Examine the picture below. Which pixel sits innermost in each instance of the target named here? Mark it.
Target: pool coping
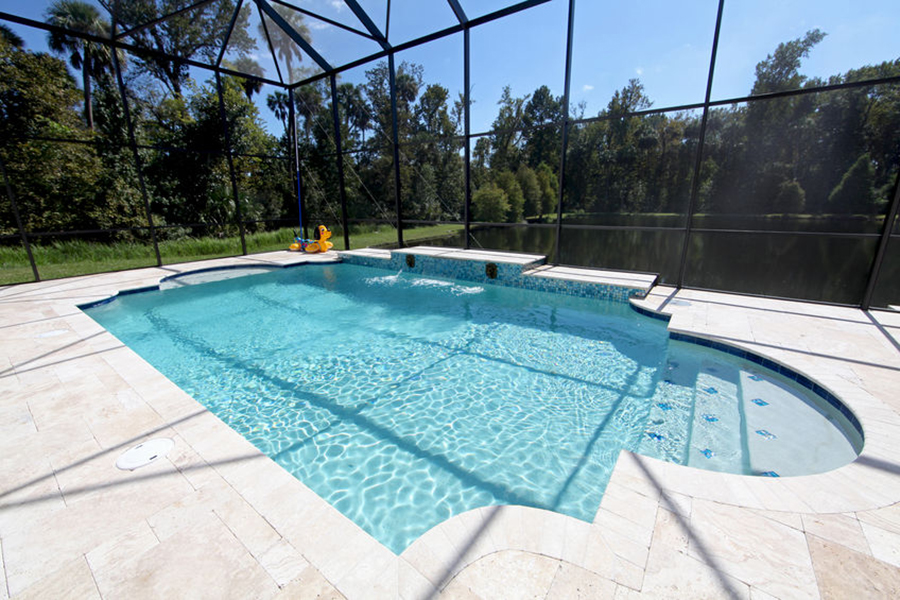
(619, 546)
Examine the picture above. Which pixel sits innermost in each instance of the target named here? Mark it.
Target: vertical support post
(468, 132)
(396, 139)
(875, 271)
(15, 210)
(294, 155)
(138, 163)
(234, 188)
(695, 184)
(340, 160)
(565, 129)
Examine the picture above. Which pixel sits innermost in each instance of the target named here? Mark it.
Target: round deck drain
(145, 453)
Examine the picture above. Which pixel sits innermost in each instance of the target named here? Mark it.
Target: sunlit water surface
(403, 401)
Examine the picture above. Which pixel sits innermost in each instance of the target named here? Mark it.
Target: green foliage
(855, 194)
(791, 197)
(506, 181)
(78, 257)
(56, 184)
(549, 186)
(781, 70)
(245, 64)
(285, 47)
(506, 139)
(832, 151)
(92, 58)
(490, 204)
(531, 190)
(195, 33)
(10, 37)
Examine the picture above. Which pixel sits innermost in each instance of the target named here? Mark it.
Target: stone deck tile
(599, 276)
(845, 573)
(662, 530)
(514, 258)
(368, 252)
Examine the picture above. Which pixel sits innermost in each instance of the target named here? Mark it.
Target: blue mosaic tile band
(649, 313)
(372, 261)
(96, 303)
(774, 366)
(510, 275)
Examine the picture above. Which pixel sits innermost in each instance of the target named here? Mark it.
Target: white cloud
(316, 24)
(639, 70)
(338, 5)
(586, 87)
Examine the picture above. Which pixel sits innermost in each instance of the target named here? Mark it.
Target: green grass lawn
(65, 259)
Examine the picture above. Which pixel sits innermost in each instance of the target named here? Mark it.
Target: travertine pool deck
(217, 519)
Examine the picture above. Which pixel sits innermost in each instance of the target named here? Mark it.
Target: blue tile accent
(769, 474)
(773, 366)
(759, 402)
(371, 261)
(707, 453)
(140, 290)
(649, 313)
(655, 436)
(664, 405)
(710, 418)
(766, 434)
(711, 390)
(87, 305)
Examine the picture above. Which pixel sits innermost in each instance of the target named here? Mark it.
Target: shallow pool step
(667, 433)
(718, 429)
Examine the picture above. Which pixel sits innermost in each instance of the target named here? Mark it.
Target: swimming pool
(405, 400)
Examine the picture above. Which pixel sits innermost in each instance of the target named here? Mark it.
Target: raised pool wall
(518, 271)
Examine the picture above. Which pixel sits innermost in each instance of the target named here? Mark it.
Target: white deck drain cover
(145, 453)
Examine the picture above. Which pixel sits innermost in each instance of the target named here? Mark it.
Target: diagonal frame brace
(368, 23)
(293, 34)
(458, 11)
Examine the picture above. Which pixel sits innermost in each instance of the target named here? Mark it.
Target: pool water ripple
(405, 401)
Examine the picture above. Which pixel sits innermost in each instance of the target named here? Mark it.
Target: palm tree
(278, 103)
(282, 43)
(245, 64)
(308, 102)
(11, 37)
(91, 58)
(351, 100)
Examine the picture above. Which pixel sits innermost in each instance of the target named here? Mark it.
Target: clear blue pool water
(403, 401)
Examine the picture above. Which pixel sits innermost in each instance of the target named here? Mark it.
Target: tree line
(827, 153)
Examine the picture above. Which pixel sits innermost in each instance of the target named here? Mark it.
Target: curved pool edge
(758, 357)
(867, 483)
(248, 266)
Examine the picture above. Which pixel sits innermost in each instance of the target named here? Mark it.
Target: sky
(664, 44)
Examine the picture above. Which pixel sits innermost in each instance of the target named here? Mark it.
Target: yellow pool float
(320, 244)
